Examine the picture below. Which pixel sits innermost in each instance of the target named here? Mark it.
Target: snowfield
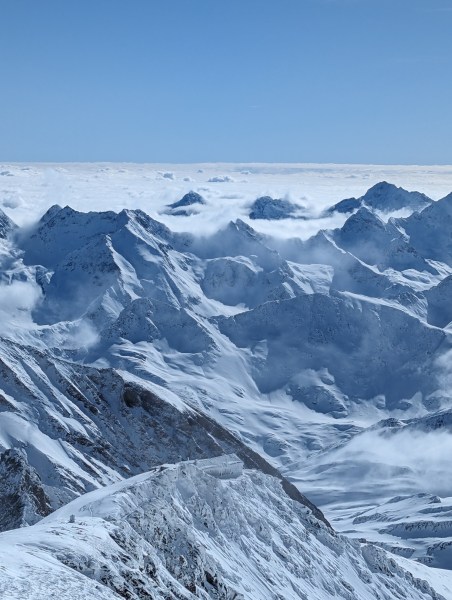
(295, 316)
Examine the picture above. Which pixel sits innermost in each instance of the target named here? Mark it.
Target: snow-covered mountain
(384, 197)
(76, 428)
(197, 530)
(385, 245)
(321, 363)
(429, 230)
(273, 209)
(186, 206)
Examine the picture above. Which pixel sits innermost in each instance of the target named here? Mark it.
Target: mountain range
(137, 362)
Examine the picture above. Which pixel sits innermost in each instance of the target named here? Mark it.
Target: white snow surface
(179, 532)
(322, 344)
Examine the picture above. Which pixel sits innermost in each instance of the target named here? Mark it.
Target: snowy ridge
(178, 532)
(384, 197)
(79, 428)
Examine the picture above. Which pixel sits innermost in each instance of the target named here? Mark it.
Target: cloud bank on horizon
(229, 189)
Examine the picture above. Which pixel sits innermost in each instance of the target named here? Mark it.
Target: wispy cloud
(17, 300)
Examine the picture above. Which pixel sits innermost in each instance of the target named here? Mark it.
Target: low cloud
(81, 335)
(443, 366)
(11, 200)
(424, 457)
(17, 300)
(117, 186)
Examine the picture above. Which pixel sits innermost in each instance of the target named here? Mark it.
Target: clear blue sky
(226, 80)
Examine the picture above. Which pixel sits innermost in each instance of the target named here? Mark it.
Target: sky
(339, 81)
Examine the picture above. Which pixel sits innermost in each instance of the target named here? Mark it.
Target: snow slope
(180, 532)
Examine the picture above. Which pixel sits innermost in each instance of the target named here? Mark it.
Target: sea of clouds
(28, 190)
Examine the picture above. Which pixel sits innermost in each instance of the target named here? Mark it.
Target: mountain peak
(270, 208)
(239, 226)
(382, 186)
(363, 219)
(65, 230)
(387, 197)
(384, 197)
(189, 199)
(186, 205)
(445, 202)
(50, 213)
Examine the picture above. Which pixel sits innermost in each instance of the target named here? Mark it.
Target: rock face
(22, 496)
(439, 303)
(6, 225)
(384, 197)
